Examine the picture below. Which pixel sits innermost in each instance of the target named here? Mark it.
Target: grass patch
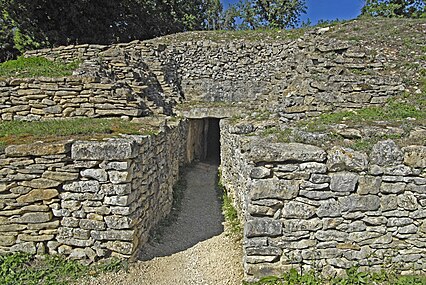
(36, 66)
(25, 269)
(19, 132)
(229, 211)
(353, 277)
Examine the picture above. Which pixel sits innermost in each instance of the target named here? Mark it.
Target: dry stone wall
(88, 199)
(307, 207)
(36, 99)
(293, 78)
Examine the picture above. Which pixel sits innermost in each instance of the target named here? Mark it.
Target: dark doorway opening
(212, 140)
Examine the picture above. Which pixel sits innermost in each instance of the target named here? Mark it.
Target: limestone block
(284, 152)
(27, 247)
(38, 149)
(274, 189)
(35, 238)
(89, 186)
(392, 188)
(118, 222)
(415, 156)
(363, 203)
(329, 208)
(41, 183)
(263, 227)
(331, 235)
(113, 149)
(7, 240)
(120, 247)
(119, 235)
(77, 253)
(343, 182)
(116, 189)
(33, 218)
(38, 195)
(297, 210)
(408, 202)
(117, 177)
(260, 172)
(399, 222)
(341, 159)
(60, 176)
(369, 185)
(386, 153)
(302, 225)
(97, 174)
(91, 224)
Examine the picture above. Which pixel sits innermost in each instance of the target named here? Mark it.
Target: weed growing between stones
(229, 212)
(35, 67)
(25, 269)
(353, 277)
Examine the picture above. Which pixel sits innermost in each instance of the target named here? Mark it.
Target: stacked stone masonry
(305, 207)
(88, 199)
(302, 206)
(294, 78)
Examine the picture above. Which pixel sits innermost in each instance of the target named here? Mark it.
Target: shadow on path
(200, 217)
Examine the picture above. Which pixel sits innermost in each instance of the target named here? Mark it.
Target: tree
(279, 14)
(213, 14)
(395, 8)
(63, 22)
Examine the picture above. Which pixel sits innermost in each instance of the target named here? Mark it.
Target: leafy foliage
(28, 24)
(395, 8)
(24, 269)
(36, 66)
(279, 14)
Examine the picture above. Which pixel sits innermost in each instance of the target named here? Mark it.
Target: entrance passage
(203, 142)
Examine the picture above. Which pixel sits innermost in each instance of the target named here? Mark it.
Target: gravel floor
(194, 250)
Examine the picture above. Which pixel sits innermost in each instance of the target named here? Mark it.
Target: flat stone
(369, 185)
(60, 176)
(260, 172)
(89, 186)
(415, 156)
(120, 235)
(97, 174)
(284, 152)
(274, 189)
(120, 247)
(363, 203)
(343, 182)
(41, 183)
(114, 149)
(91, 224)
(27, 247)
(33, 218)
(118, 222)
(346, 159)
(329, 208)
(408, 202)
(331, 235)
(386, 153)
(392, 188)
(38, 149)
(6, 240)
(38, 195)
(263, 227)
(297, 210)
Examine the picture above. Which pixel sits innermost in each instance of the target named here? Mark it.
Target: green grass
(19, 132)
(35, 67)
(24, 269)
(353, 277)
(229, 212)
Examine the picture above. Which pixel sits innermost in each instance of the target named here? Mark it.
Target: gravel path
(194, 250)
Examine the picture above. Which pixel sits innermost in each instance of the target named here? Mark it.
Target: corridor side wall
(306, 207)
